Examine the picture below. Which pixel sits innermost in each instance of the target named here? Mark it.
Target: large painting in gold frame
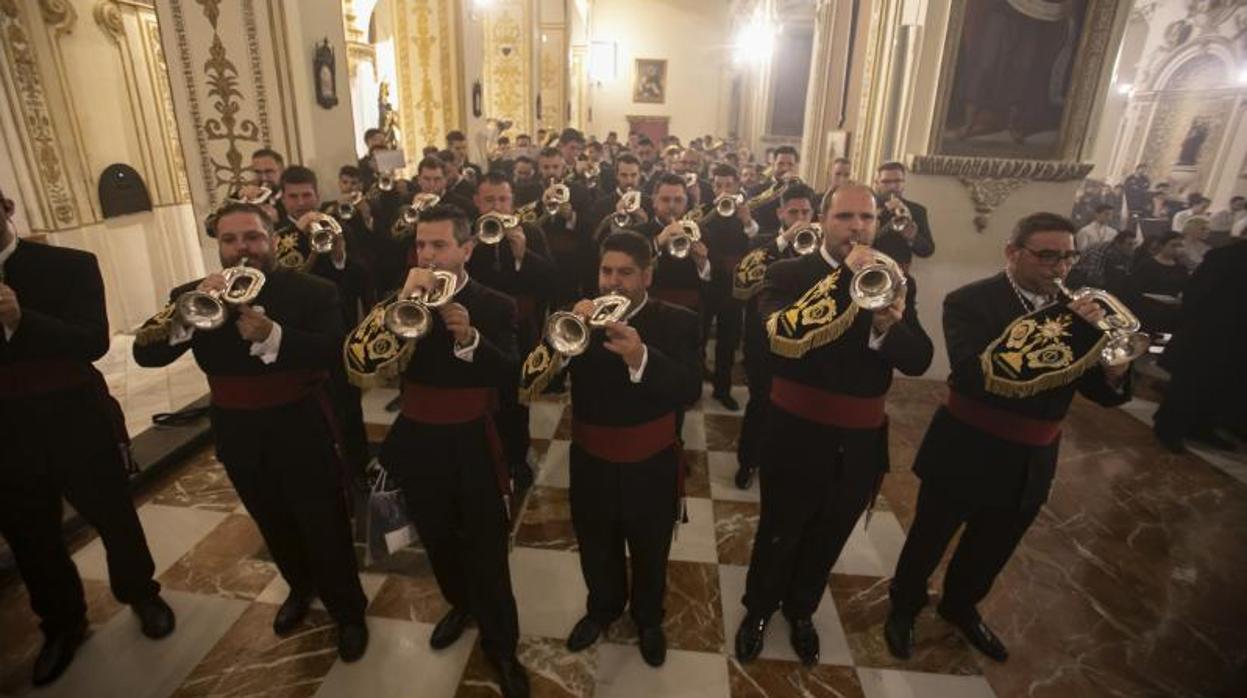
(1019, 78)
(649, 84)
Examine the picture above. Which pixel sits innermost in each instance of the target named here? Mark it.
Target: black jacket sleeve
(317, 338)
(923, 244)
(907, 345)
(674, 375)
(498, 352)
(158, 353)
(80, 332)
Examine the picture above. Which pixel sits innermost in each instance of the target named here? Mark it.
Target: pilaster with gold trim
(508, 63)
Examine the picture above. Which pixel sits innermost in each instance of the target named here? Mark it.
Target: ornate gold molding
(108, 17)
(999, 168)
(508, 63)
(988, 194)
(173, 140)
(553, 76)
(428, 84)
(40, 143)
(59, 15)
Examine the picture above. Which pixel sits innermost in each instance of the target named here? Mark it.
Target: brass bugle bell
(492, 227)
(681, 243)
(555, 197)
(412, 317)
(385, 181)
(726, 204)
(568, 333)
(323, 232)
(901, 216)
(877, 284)
(1125, 342)
(208, 310)
(629, 204)
(349, 207)
(807, 239)
(690, 179)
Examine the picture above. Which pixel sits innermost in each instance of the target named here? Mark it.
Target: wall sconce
(326, 76)
(603, 61)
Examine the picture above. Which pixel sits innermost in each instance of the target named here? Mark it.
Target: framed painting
(650, 81)
(1020, 77)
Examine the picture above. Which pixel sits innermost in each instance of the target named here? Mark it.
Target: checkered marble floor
(217, 575)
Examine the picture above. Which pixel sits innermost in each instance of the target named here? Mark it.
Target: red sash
(29, 377)
(831, 409)
(265, 390)
(629, 444)
(443, 406)
(1003, 424)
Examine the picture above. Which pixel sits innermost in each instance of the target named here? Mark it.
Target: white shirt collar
(637, 309)
(835, 263)
(8, 250)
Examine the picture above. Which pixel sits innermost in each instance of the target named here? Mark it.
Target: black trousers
(295, 496)
(40, 464)
(350, 413)
(753, 426)
(620, 509)
(449, 482)
(990, 537)
(727, 314)
(811, 498)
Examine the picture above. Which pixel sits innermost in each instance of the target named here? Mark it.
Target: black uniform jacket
(726, 242)
(670, 272)
(306, 307)
(847, 365)
(61, 296)
(923, 244)
(356, 293)
(973, 465)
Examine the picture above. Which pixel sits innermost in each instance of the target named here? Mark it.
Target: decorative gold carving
(173, 141)
(428, 74)
(257, 72)
(999, 168)
(43, 147)
(553, 76)
(987, 195)
(222, 78)
(108, 17)
(212, 10)
(58, 14)
(508, 52)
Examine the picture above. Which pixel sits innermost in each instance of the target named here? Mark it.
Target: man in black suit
(268, 365)
(627, 178)
(915, 231)
(374, 140)
(431, 178)
(525, 181)
(825, 451)
(677, 280)
(63, 435)
(627, 389)
(519, 267)
(444, 449)
(988, 457)
(727, 241)
(785, 167)
(796, 210)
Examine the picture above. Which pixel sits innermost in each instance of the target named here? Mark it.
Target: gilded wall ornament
(988, 194)
(108, 17)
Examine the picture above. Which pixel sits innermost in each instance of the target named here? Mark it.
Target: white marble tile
(171, 532)
(860, 555)
(277, 590)
(549, 591)
(723, 479)
(399, 662)
(709, 405)
(886, 534)
(890, 683)
(833, 646)
(554, 470)
(694, 431)
(374, 401)
(543, 419)
(118, 661)
(695, 541)
(621, 673)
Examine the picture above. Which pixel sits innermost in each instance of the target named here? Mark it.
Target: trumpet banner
(374, 355)
(751, 271)
(1048, 348)
(157, 328)
(818, 317)
(540, 367)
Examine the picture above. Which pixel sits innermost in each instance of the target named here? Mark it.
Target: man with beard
(911, 235)
(825, 450)
(628, 387)
(524, 179)
(267, 368)
(677, 280)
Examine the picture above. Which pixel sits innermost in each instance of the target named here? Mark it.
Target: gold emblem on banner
(373, 354)
(750, 273)
(1048, 348)
(815, 319)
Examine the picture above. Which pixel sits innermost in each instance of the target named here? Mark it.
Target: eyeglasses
(1055, 256)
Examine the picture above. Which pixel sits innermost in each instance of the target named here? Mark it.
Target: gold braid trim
(158, 327)
(538, 370)
(812, 321)
(1061, 375)
(373, 355)
(750, 273)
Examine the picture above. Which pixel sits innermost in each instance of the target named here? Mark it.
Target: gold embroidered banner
(426, 38)
(508, 64)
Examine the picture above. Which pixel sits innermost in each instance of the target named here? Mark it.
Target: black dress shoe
(512, 678)
(292, 612)
(653, 645)
(898, 632)
(586, 632)
(976, 632)
(804, 640)
(744, 476)
(155, 617)
(449, 628)
(352, 641)
(58, 651)
(749, 637)
(727, 401)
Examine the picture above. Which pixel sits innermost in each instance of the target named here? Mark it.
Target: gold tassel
(1051, 380)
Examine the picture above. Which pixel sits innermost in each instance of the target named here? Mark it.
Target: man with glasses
(1018, 352)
